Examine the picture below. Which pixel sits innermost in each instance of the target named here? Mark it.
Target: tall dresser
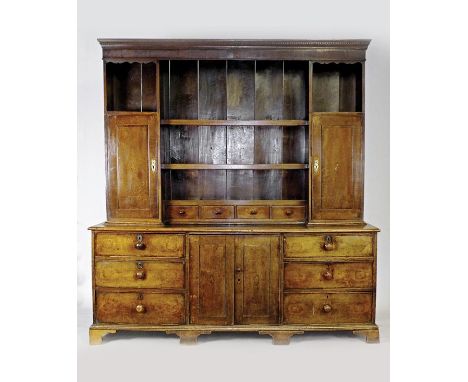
(235, 174)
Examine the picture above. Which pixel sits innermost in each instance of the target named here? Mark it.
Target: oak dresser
(235, 174)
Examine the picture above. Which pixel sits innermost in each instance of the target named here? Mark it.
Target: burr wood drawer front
(216, 212)
(327, 308)
(175, 212)
(140, 308)
(124, 244)
(288, 213)
(330, 275)
(253, 212)
(139, 274)
(328, 245)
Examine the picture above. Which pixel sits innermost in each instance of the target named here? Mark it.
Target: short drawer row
(171, 275)
(172, 245)
(170, 308)
(248, 212)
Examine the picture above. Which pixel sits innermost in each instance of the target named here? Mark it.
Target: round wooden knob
(253, 212)
(140, 308)
(288, 212)
(328, 245)
(140, 245)
(238, 269)
(327, 275)
(181, 212)
(140, 275)
(327, 308)
(218, 211)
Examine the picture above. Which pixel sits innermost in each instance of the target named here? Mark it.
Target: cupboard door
(211, 279)
(257, 280)
(132, 166)
(337, 166)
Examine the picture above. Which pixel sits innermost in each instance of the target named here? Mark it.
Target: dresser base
(281, 335)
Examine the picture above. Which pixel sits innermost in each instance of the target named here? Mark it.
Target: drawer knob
(328, 245)
(238, 269)
(288, 212)
(139, 244)
(140, 308)
(253, 212)
(327, 275)
(181, 212)
(218, 211)
(327, 308)
(140, 274)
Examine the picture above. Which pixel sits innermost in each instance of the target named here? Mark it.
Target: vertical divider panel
(163, 107)
(268, 139)
(240, 105)
(157, 108)
(212, 139)
(310, 143)
(148, 87)
(295, 106)
(183, 99)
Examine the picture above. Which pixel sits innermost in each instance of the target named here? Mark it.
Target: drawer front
(115, 244)
(217, 212)
(140, 308)
(338, 275)
(331, 308)
(253, 212)
(328, 245)
(182, 212)
(288, 213)
(139, 274)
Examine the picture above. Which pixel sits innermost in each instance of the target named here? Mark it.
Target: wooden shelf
(226, 122)
(200, 166)
(211, 202)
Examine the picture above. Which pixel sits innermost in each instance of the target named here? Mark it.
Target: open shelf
(234, 184)
(234, 90)
(227, 122)
(268, 202)
(131, 87)
(198, 166)
(337, 87)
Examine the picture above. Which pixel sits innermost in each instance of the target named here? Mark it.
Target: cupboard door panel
(132, 146)
(257, 279)
(337, 166)
(211, 279)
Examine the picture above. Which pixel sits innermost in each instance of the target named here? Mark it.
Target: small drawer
(288, 213)
(328, 245)
(216, 212)
(139, 274)
(337, 275)
(253, 212)
(140, 308)
(158, 245)
(182, 212)
(327, 308)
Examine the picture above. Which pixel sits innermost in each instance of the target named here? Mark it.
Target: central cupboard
(234, 279)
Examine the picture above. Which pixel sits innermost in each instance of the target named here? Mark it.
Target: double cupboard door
(234, 279)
